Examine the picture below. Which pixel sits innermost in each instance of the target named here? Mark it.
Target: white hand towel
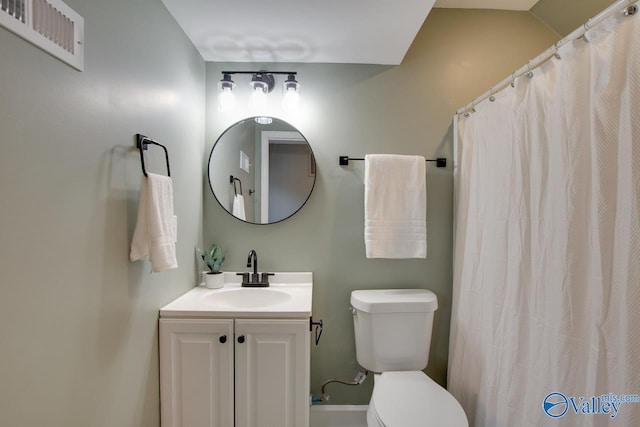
(156, 228)
(238, 207)
(395, 206)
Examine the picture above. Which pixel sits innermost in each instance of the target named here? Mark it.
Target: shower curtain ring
(631, 10)
(587, 27)
(529, 73)
(557, 53)
(491, 97)
(467, 110)
(513, 79)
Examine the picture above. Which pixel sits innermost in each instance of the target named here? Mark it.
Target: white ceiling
(333, 31)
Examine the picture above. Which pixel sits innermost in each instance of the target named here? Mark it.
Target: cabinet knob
(223, 339)
(241, 339)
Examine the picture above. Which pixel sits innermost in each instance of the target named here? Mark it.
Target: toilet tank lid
(394, 301)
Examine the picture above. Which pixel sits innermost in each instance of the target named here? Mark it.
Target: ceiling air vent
(49, 24)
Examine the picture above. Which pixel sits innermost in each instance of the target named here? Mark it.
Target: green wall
(78, 320)
(359, 109)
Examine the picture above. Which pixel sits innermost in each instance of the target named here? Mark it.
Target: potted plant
(214, 258)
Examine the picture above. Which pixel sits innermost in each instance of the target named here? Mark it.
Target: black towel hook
(142, 143)
(232, 180)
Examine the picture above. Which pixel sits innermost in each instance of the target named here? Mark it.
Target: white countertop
(201, 302)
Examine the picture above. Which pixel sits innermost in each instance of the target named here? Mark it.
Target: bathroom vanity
(237, 356)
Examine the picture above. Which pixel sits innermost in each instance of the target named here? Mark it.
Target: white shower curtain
(547, 248)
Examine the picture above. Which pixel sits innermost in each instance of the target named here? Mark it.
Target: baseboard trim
(338, 416)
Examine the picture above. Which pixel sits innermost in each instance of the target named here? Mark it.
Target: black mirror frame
(218, 200)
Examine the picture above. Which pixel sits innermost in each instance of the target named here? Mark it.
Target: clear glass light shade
(259, 96)
(290, 94)
(290, 100)
(226, 99)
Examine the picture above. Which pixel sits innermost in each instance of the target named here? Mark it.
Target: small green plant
(214, 258)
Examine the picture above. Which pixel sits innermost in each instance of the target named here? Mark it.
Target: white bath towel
(238, 207)
(156, 229)
(395, 206)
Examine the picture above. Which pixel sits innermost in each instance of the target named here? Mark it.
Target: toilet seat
(412, 399)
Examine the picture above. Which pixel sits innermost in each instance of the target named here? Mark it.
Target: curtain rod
(553, 50)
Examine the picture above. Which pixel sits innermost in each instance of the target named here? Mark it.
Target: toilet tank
(393, 328)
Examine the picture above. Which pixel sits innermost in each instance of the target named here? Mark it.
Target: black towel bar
(232, 180)
(441, 162)
(142, 143)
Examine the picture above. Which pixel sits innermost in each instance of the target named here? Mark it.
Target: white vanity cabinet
(234, 372)
(272, 373)
(196, 372)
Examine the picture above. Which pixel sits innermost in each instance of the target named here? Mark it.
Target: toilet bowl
(393, 335)
(412, 399)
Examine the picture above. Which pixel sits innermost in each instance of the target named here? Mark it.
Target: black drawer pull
(223, 339)
(241, 339)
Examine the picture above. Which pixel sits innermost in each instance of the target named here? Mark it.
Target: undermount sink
(247, 298)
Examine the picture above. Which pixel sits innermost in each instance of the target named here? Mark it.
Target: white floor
(338, 416)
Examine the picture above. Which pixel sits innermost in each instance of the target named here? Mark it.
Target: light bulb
(259, 97)
(226, 100)
(290, 100)
(290, 94)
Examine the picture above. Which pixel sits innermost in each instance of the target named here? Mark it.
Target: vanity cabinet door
(196, 372)
(272, 373)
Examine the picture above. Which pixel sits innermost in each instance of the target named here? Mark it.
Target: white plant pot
(213, 280)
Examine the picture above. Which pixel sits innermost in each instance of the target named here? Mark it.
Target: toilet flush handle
(353, 311)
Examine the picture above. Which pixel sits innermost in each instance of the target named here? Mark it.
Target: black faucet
(253, 255)
(254, 280)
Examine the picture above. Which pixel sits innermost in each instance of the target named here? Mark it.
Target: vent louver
(49, 24)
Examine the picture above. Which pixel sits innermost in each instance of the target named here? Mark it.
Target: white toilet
(393, 335)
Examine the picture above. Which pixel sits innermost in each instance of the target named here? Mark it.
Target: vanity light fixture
(262, 83)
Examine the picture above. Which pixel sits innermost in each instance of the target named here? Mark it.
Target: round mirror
(262, 170)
